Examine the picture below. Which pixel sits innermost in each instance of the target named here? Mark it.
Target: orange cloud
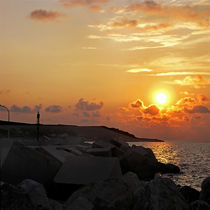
(134, 24)
(44, 15)
(7, 91)
(187, 109)
(91, 4)
(154, 27)
(186, 101)
(162, 74)
(138, 70)
(125, 23)
(198, 109)
(203, 99)
(53, 109)
(25, 109)
(88, 106)
(137, 104)
(152, 110)
(187, 13)
(196, 81)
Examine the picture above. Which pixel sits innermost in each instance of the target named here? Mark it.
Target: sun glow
(161, 98)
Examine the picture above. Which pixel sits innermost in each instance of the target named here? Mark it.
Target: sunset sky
(103, 62)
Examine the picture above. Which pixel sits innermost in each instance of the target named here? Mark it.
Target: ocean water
(193, 158)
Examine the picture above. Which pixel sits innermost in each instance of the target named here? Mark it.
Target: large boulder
(112, 194)
(189, 193)
(55, 205)
(159, 194)
(80, 203)
(36, 193)
(205, 190)
(132, 181)
(139, 160)
(29, 194)
(14, 198)
(199, 205)
(167, 168)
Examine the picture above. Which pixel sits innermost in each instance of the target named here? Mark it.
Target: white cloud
(138, 70)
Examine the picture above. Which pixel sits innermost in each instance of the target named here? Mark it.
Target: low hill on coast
(91, 133)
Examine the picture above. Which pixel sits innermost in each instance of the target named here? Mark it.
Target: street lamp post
(8, 116)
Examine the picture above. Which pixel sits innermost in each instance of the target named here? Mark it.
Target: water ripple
(193, 159)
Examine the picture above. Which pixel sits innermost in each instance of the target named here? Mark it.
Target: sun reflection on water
(192, 158)
(165, 152)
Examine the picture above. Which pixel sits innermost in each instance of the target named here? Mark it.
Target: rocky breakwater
(105, 175)
(137, 159)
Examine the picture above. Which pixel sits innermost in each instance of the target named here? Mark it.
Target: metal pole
(8, 117)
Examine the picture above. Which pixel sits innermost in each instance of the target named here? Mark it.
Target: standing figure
(37, 126)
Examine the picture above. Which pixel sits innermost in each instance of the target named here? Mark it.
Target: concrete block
(86, 170)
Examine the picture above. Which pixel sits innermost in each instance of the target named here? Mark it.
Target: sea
(193, 158)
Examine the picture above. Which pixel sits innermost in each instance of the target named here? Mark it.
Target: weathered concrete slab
(85, 170)
(117, 146)
(27, 163)
(102, 144)
(72, 149)
(105, 152)
(67, 140)
(5, 146)
(119, 143)
(83, 147)
(60, 153)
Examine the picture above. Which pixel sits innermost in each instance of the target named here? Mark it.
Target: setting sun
(161, 98)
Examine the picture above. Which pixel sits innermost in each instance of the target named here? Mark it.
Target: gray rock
(113, 194)
(139, 160)
(36, 193)
(205, 190)
(55, 205)
(189, 193)
(80, 203)
(14, 198)
(159, 194)
(132, 181)
(199, 205)
(167, 168)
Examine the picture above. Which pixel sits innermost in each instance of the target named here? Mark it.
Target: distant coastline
(75, 130)
(136, 139)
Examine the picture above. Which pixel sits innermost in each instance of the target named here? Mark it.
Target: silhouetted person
(37, 126)
(38, 117)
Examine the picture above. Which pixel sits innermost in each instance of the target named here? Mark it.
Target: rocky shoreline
(92, 133)
(106, 175)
